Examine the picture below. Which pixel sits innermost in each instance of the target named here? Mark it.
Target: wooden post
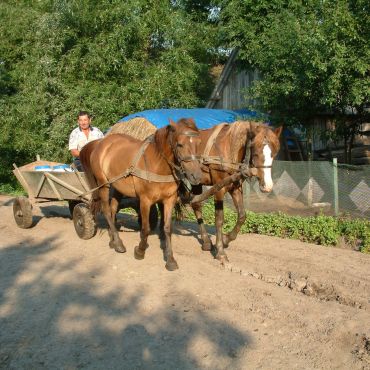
(310, 184)
(335, 184)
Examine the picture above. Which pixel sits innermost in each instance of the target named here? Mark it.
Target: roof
(204, 117)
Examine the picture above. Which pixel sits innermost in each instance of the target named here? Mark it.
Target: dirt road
(66, 303)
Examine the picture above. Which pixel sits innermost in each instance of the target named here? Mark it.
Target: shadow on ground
(55, 314)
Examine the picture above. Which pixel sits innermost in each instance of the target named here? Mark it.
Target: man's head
(84, 120)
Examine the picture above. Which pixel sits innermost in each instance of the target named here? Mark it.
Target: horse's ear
(171, 126)
(278, 131)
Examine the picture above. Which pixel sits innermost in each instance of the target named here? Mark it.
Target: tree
(313, 56)
(111, 58)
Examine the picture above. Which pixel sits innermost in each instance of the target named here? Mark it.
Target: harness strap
(212, 138)
(134, 171)
(150, 176)
(220, 161)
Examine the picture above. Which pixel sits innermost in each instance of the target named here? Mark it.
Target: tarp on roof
(204, 117)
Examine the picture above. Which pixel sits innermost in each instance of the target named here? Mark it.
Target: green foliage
(323, 230)
(9, 189)
(111, 58)
(313, 56)
(356, 232)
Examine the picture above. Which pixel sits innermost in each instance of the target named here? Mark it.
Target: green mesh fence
(308, 188)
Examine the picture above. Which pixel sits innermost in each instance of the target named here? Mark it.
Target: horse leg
(145, 229)
(206, 241)
(115, 241)
(114, 206)
(168, 204)
(219, 215)
(162, 234)
(237, 196)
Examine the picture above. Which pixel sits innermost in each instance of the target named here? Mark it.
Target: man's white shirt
(77, 138)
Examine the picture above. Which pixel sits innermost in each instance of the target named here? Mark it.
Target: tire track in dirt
(304, 285)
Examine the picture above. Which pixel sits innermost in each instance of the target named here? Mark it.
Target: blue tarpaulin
(204, 117)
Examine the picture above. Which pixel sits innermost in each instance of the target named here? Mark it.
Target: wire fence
(309, 188)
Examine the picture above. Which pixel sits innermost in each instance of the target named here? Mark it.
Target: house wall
(232, 95)
(230, 92)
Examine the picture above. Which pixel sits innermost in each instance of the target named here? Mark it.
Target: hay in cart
(138, 127)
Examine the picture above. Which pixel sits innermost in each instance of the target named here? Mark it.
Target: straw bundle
(138, 127)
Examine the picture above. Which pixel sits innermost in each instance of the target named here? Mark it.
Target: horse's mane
(160, 138)
(239, 130)
(238, 137)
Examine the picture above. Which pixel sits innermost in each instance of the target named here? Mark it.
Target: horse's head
(264, 147)
(184, 141)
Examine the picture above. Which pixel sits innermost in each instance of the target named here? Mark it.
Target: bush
(323, 230)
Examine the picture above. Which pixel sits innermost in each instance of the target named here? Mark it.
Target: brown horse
(144, 170)
(224, 148)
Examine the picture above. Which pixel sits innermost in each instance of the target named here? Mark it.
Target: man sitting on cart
(81, 135)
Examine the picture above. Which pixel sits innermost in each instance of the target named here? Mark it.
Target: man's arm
(73, 143)
(75, 153)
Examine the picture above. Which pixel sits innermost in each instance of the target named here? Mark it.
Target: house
(229, 93)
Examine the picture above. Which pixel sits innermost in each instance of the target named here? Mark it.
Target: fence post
(310, 184)
(335, 183)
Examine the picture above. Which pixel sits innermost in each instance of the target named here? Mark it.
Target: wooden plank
(54, 188)
(39, 186)
(82, 181)
(63, 183)
(22, 180)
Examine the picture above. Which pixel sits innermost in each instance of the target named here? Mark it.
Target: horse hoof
(207, 246)
(222, 258)
(118, 247)
(172, 266)
(225, 240)
(139, 254)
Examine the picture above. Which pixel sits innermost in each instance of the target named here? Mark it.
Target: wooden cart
(51, 186)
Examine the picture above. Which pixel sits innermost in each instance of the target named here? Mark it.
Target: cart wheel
(71, 205)
(153, 217)
(84, 222)
(22, 210)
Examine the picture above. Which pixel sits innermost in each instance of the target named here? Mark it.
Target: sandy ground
(67, 303)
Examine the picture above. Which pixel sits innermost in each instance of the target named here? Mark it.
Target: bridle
(179, 171)
(188, 158)
(247, 158)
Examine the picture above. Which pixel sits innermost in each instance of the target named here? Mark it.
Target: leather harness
(133, 170)
(207, 159)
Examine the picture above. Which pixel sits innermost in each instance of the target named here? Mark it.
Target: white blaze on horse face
(267, 171)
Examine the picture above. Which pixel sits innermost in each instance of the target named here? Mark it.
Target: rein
(178, 171)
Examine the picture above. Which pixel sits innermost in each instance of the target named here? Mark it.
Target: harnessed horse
(226, 149)
(148, 170)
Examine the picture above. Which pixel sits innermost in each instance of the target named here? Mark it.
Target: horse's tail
(183, 198)
(85, 158)
(179, 210)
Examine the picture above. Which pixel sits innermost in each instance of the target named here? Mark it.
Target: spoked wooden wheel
(83, 221)
(22, 210)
